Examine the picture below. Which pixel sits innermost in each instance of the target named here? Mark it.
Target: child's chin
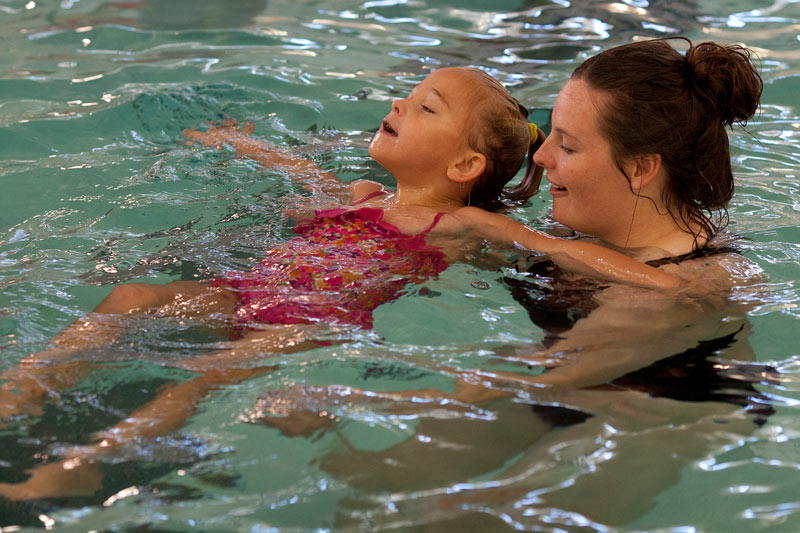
(373, 149)
(376, 155)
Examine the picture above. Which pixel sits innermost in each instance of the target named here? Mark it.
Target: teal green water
(98, 189)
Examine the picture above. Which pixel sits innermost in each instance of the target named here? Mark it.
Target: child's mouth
(387, 128)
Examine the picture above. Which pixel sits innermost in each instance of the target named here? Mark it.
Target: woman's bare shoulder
(723, 270)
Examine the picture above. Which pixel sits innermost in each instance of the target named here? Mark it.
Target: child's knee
(134, 296)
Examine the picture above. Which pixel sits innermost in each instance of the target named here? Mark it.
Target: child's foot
(71, 477)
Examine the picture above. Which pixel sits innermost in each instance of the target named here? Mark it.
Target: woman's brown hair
(678, 106)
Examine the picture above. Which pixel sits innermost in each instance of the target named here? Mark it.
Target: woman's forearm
(577, 256)
(594, 259)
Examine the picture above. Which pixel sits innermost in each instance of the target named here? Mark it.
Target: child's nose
(398, 105)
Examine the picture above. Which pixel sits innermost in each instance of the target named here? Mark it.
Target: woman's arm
(576, 256)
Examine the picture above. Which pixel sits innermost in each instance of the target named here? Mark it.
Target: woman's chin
(566, 220)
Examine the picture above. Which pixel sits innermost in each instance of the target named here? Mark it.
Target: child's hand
(215, 136)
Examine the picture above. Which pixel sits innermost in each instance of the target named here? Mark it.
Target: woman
(639, 153)
(638, 159)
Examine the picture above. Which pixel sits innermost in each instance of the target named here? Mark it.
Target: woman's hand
(302, 411)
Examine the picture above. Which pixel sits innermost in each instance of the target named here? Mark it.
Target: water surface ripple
(100, 189)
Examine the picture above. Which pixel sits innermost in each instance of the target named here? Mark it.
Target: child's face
(424, 132)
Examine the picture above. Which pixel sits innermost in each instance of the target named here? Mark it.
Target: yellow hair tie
(534, 132)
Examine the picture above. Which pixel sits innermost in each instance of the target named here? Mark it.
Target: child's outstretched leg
(47, 372)
(107, 322)
(76, 472)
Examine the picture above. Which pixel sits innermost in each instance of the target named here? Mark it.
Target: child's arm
(578, 256)
(301, 169)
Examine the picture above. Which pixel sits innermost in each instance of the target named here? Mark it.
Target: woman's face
(590, 193)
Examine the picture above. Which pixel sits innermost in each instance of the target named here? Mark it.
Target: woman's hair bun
(726, 79)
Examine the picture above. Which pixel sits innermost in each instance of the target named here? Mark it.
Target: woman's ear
(643, 170)
(467, 168)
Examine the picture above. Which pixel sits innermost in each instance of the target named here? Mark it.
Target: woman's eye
(567, 150)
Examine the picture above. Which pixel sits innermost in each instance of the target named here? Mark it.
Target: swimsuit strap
(373, 194)
(703, 251)
(369, 196)
(436, 219)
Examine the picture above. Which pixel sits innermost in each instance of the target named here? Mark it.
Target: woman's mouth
(556, 188)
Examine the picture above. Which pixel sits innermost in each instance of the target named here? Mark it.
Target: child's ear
(466, 168)
(643, 169)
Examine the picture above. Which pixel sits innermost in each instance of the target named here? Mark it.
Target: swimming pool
(99, 189)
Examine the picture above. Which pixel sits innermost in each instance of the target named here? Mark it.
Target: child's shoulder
(362, 190)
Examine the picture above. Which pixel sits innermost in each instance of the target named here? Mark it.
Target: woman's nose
(542, 156)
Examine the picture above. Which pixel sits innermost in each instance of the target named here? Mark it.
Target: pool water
(100, 189)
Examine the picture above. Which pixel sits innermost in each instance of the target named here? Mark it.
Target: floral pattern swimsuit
(342, 265)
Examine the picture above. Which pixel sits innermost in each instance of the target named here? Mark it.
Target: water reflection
(586, 457)
(161, 15)
(531, 35)
(463, 464)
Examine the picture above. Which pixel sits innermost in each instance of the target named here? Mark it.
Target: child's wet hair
(499, 130)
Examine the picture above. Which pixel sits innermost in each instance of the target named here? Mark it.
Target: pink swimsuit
(343, 264)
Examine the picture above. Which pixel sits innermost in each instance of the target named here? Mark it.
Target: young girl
(452, 145)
